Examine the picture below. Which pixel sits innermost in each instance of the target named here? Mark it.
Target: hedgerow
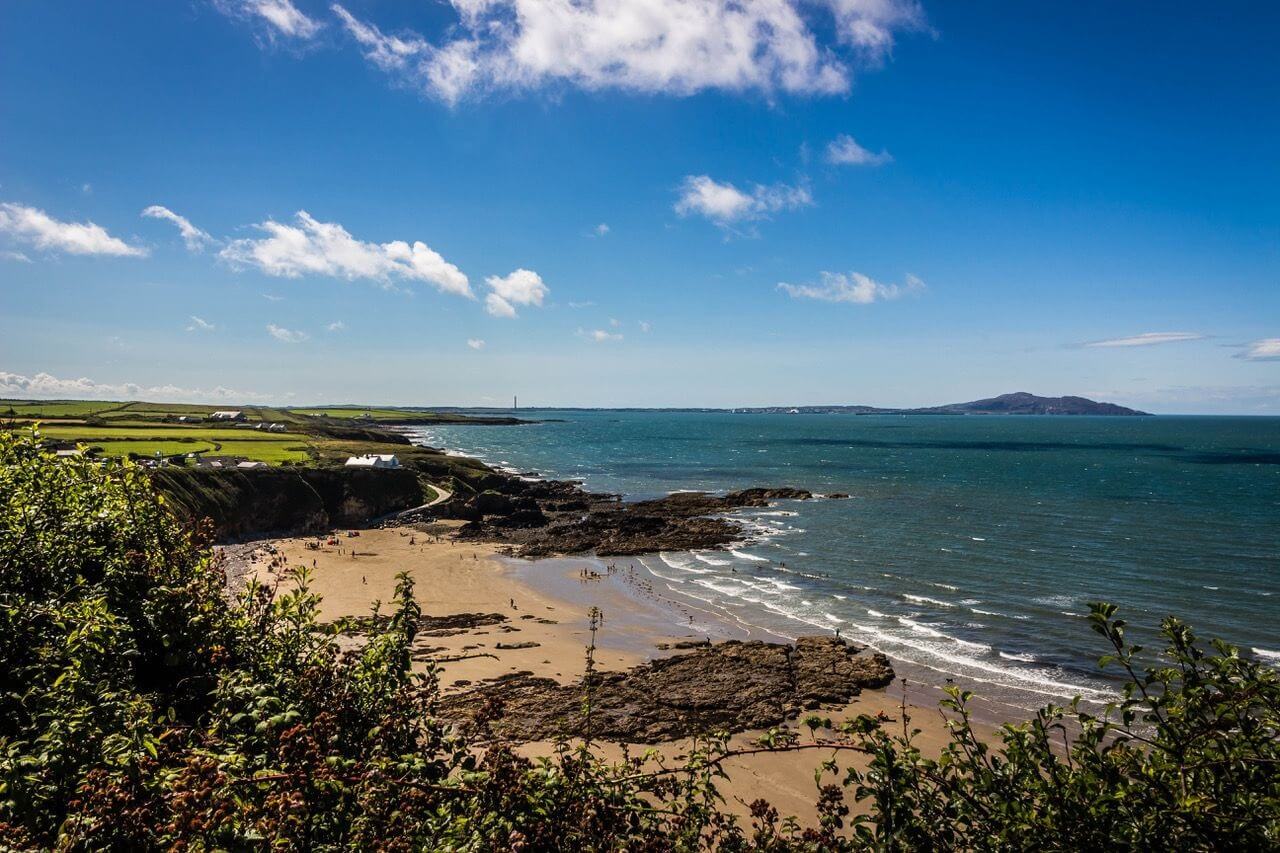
(140, 709)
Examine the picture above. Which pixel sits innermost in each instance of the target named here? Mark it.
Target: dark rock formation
(565, 520)
(731, 686)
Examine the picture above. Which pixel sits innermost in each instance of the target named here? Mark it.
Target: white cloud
(1148, 339)
(199, 325)
(644, 327)
(271, 297)
(725, 204)
(614, 323)
(195, 238)
(1267, 349)
(852, 287)
(599, 336)
(475, 343)
(676, 47)
(280, 17)
(287, 336)
(34, 226)
(20, 257)
(602, 229)
(522, 287)
(312, 247)
(844, 150)
(336, 326)
(581, 304)
(46, 386)
(86, 188)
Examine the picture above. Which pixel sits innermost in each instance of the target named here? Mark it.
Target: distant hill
(1018, 403)
(1022, 403)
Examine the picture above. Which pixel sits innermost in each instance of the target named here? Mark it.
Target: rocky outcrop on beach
(733, 686)
(548, 518)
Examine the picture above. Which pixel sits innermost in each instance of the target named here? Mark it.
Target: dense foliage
(141, 710)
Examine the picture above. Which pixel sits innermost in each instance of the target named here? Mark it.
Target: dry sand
(453, 577)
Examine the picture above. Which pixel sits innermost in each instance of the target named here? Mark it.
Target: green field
(55, 408)
(374, 414)
(165, 431)
(151, 448)
(323, 435)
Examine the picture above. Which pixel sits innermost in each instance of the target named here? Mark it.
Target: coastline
(492, 618)
(695, 577)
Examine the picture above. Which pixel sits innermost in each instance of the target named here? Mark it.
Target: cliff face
(242, 503)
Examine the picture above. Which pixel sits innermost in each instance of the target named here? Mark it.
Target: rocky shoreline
(542, 518)
(732, 686)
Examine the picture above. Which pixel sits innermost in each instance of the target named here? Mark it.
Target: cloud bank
(852, 287)
(725, 204)
(45, 386)
(675, 47)
(35, 227)
(326, 248)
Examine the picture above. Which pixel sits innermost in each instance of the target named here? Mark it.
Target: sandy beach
(542, 634)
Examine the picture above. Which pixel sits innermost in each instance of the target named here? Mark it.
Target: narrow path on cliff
(442, 495)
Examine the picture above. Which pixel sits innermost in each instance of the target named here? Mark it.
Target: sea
(970, 546)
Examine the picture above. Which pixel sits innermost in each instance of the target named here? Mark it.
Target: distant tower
(515, 402)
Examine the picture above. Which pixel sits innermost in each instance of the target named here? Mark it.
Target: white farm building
(374, 460)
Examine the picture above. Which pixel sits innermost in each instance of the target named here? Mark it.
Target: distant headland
(1017, 403)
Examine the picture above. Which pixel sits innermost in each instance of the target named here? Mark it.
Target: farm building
(227, 415)
(219, 462)
(374, 460)
(250, 464)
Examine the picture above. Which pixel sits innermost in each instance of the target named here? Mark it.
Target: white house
(250, 464)
(227, 415)
(374, 460)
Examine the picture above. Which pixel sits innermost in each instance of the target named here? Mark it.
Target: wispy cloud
(336, 326)
(522, 287)
(844, 150)
(200, 325)
(852, 287)
(272, 297)
(47, 386)
(655, 46)
(287, 336)
(195, 238)
(20, 257)
(587, 304)
(311, 247)
(644, 327)
(37, 228)
(601, 229)
(1267, 349)
(725, 204)
(475, 343)
(1148, 339)
(276, 18)
(599, 336)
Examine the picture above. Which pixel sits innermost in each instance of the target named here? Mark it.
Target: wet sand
(545, 630)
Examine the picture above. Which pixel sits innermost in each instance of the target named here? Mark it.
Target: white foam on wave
(951, 587)
(1266, 653)
(743, 555)
(1021, 658)
(968, 601)
(924, 599)
(919, 628)
(712, 561)
(834, 618)
(978, 538)
(676, 561)
(876, 613)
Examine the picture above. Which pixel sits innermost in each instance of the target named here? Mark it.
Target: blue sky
(641, 202)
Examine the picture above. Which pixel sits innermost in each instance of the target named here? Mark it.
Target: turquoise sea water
(969, 545)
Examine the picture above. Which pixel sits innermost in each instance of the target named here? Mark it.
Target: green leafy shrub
(140, 710)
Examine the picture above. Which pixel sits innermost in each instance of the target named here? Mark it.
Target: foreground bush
(141, 710)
